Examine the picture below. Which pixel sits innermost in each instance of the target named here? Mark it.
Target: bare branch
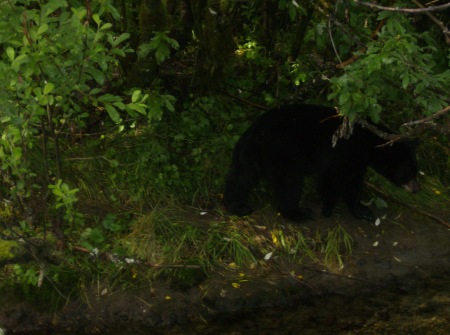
(435, 20)
(379, 132)
(405, 10)
(429, 118)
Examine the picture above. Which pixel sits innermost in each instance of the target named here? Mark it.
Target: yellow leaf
(167, 297)
(232, 265)
(235, 285)
(436, 191)
(241, 274)
(274, 238)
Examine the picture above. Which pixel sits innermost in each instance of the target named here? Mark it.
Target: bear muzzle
(412, 186)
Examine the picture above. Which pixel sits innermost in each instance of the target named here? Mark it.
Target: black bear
(288, 143)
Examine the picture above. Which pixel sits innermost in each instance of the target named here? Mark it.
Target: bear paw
(362, 212)
(239, 209)
(297, 214)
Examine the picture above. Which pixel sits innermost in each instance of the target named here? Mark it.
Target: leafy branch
(421, 10)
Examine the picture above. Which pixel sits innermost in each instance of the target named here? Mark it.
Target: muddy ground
(406, 258)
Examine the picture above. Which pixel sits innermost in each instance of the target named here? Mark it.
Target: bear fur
(286, 144)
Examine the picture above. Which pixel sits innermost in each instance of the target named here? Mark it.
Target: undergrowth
(144, 205)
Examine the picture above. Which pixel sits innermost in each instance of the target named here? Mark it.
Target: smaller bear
(288, 143)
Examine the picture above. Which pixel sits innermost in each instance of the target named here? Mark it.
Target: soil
(397, 281)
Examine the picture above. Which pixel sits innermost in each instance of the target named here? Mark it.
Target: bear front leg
(353, 200)
(287, 194)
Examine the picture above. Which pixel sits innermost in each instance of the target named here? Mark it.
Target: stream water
(421, 310)
(399, 310)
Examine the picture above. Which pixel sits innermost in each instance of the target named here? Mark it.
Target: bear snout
(412, 186)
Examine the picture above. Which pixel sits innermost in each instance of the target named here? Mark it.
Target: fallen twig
(115, 258)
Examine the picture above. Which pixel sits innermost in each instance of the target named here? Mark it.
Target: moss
(8, 250)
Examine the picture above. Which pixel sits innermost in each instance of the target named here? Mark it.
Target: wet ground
(397, 281)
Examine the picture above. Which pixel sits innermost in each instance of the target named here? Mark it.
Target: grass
(177, 237)
(153, 186)
(432, 199)
(337, 243)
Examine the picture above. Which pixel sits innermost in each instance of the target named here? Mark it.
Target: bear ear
(415, 142)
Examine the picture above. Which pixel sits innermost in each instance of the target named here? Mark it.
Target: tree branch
(435, 20)
(404, 10)
(429, 118)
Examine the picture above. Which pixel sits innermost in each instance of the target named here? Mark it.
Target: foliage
(178, 158)
(402, 60)
(66, 199)
(160, 44)
(79, 146)
(6, 248)
(55, 71)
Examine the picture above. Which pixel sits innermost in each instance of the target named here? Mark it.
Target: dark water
(423, 310)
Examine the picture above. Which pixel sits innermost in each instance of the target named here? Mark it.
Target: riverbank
(404, 255)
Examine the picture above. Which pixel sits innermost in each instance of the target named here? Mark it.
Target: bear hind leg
(238, 185)
(329, 194)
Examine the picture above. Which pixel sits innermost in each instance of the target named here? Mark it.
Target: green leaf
(52, 6)
(96, 19)
(405, 81)
(95, 91)
(120, 39)
(42, 29)
(135, 96)
(120, 105)
(343, 98)
(43, 100)
(113, 163)
(37, 92)
(169, 105)
(140, 108)
(109, 98)
(98, 76)
(19, 61)
(113, 114)
(96, 236)
(11, 53)
(106, 26)
(48, 88)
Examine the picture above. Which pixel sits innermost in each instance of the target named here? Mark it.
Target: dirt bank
(400, 256)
